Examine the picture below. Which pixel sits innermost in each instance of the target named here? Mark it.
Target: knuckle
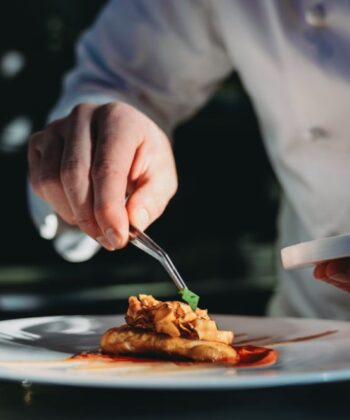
(104, 168)
(69, 165)
(73, 170)
(112, 111)
(106, 110)
(80, 109)
(79, 114)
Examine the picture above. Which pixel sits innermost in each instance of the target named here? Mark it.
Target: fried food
(129, 340)
(169, 328)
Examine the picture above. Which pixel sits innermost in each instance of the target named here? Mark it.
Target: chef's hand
(84, 165)
(336, 272)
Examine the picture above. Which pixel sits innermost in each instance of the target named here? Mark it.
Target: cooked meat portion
(169, 328)
(129, 340)
(175, 319)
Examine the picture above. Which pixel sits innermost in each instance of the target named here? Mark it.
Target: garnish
(189, 297)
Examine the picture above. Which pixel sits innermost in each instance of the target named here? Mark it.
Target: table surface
(324, 401)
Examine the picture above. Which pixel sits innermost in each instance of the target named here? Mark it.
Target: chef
(145, 66)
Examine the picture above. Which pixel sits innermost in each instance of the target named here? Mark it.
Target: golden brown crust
(129, 340)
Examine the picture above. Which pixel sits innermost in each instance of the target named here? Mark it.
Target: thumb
(146, 204)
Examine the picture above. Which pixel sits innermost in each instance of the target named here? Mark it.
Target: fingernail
(103, 242)
(113, 238)
(142, 218)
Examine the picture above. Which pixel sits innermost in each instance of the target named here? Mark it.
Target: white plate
(312, 252)
(34, 349)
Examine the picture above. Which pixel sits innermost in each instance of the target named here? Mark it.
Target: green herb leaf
(189, 297)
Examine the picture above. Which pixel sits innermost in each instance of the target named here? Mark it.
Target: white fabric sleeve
(164, 57)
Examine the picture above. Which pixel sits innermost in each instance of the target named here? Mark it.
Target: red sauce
(249, 356)
(253, 356)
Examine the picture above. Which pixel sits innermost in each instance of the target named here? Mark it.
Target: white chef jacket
(166, 57)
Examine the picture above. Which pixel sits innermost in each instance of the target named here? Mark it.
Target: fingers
(117, 141)
(85, 176)
(50, 176)
(75, 171)
(44, 156)
(336, 272)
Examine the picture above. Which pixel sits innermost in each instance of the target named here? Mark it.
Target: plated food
(66, 350)
(173, 329)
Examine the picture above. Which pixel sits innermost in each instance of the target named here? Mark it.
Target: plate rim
(234, 383)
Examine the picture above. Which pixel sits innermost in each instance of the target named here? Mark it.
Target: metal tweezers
(146, 244)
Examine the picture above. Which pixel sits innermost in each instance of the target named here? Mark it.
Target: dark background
(219, 229)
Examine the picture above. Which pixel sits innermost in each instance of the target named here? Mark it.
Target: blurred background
(219, 230)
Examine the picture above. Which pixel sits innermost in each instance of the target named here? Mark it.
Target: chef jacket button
(316, 15)
(316, 133)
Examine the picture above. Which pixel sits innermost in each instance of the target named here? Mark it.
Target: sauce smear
(249, 356)
(253, 356)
